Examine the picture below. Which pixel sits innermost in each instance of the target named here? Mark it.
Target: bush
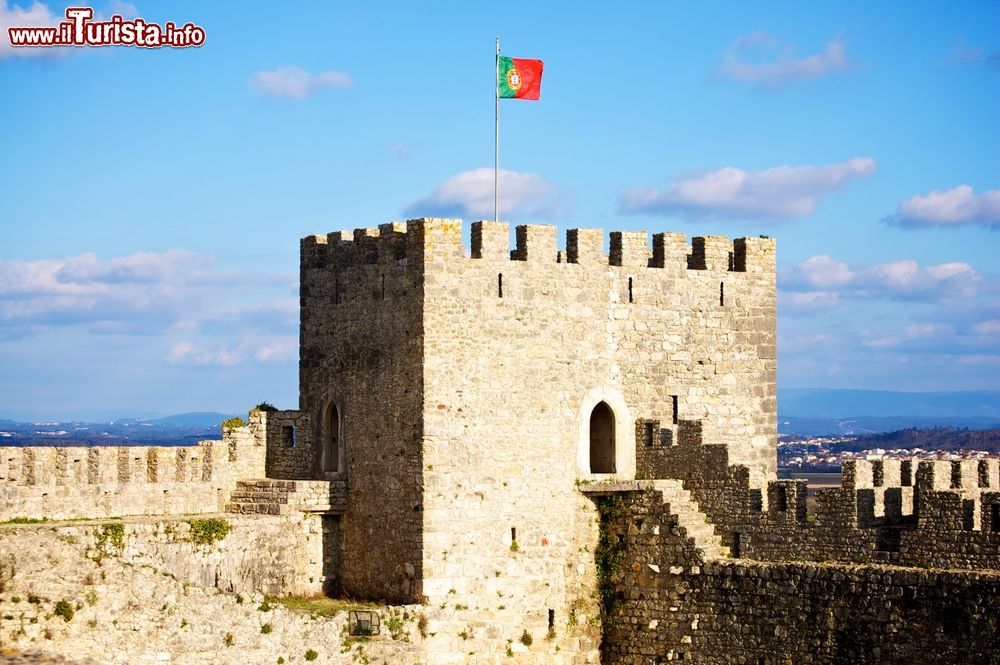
(526, 638)
(208, 531)
(232, 423)
(65, 610)
(264, 406)
(312, 654)
(266, 629)
(229, 640)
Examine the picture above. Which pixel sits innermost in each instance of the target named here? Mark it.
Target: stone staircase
(682, 505)
(690, 516)
(279, 497)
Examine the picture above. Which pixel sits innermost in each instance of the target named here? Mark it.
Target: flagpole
(496, 139)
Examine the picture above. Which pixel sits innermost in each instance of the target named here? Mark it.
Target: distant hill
(193, 419)
(826, 403)
(942, 438)
(870, 425)
(178, 429)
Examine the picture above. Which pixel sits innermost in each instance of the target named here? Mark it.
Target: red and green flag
(519, 78)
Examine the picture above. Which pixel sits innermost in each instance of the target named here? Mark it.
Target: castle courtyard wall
(666, 603)
(74, 482)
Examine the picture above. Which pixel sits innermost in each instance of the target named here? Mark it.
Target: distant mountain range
(819, 411)
(192, 419)
(801, 411)
(179, 429)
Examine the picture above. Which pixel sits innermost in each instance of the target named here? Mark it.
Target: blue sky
(151, 201)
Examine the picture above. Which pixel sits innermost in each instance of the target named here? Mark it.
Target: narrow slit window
(331, 449)
(722, 293)
(500, 285)
(630, 290)
(513, 534)
(383, 287)
(647, 434)
(288, 436)
(552, 619)
(673, 398)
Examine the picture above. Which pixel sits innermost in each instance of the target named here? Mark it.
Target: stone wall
(911, 512)
(84, 482)
(292, 449)
(666, 603)
(135, 606)
(361, 354)
(465, 384)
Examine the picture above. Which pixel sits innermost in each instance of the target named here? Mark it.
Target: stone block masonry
(553, 452)
(457, 387)
(667, 603)
(92, 482)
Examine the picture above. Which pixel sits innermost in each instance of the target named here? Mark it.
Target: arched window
(331, 439)
(602, 439)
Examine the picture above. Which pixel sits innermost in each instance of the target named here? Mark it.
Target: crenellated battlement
(73, 482)
(417, 241)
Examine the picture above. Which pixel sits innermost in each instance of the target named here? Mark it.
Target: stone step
(258, 497)
(689, 516)
(256, 508)
(267, 485)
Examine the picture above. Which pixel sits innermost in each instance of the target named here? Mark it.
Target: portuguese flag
(519, 78)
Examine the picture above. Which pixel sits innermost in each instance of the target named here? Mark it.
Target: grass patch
(110, 534)
(319, 605)
(65, 610)
(25, 520)
(208, 531)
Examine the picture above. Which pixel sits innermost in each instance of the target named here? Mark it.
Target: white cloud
(991, 327)
(821, 282)
(779, 192)
(819, 272)
(470, 195)
(264, 349)
(297, 83)
(148, 293)
(782, 67)
(35, 15)
(950, 207)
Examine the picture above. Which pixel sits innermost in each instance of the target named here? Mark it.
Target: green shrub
(312, 654)
(264, 406)
(526, 638)
(266, 629)
(208, 531)
(65, 610)
(229, 640)
(110, 533)
(26, 520)
(232, 423)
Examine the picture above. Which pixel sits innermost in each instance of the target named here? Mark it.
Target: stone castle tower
(465, 398)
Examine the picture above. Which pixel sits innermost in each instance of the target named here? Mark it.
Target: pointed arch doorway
(602, 439)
